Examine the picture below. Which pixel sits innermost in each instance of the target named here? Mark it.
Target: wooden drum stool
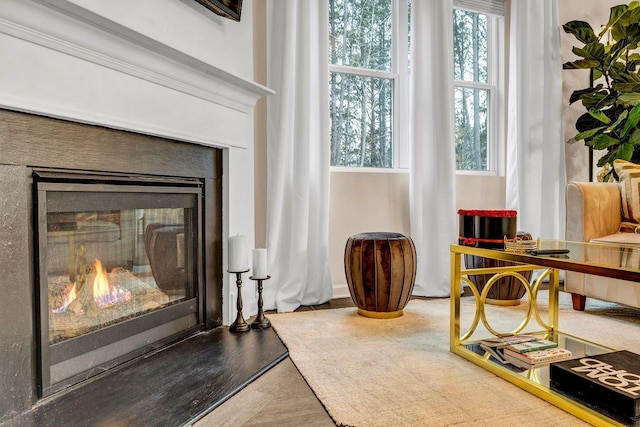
(381, 272)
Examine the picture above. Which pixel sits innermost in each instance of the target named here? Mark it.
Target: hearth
(119, 269)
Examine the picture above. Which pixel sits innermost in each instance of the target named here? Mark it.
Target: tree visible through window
(361, 82)
(369, 71)
(473, 89)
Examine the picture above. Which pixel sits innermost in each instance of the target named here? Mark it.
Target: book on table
(500, 342)
(608, 383)
(536, 357)
(529, 346)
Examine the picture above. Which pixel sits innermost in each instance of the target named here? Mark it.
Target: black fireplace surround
(46, 167)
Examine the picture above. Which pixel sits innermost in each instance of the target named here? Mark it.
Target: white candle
(259, 264)
(238, 254)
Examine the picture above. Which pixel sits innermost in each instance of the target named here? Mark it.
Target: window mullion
(401, 91)
(474, 85)
(366, 72)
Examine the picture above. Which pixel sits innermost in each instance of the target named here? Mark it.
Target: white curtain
(432, 185)
(535, 146)
(297, 155)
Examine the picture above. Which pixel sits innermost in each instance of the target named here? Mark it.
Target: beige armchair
(594, 212)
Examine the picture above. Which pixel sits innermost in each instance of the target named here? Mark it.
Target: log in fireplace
(111, 247)
(119, 269)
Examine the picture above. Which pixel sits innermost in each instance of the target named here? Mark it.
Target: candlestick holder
(260, 322)
(239, 325)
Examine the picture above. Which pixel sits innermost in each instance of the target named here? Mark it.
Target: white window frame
(495, 86)
(400, 87)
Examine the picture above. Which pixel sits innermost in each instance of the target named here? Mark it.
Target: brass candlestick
(239, 325)
(260, 322)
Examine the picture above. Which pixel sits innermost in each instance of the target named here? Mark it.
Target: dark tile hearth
(175, 386)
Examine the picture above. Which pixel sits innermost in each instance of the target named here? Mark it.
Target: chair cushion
(625, 239)
(629, 178)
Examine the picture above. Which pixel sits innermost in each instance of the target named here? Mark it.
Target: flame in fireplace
(70, 294)
(105, 293)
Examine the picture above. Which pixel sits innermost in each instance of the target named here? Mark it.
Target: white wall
(372, 201)
(186, 26)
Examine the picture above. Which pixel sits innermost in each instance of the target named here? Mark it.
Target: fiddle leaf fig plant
(612, 101)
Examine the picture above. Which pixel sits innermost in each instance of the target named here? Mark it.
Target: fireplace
(100, 91)
(87, 208)
(119, 269)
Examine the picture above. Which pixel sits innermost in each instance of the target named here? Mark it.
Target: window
(366, 48)
(369, 79)
(477, 90)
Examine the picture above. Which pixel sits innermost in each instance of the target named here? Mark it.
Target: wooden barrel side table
(381, 272)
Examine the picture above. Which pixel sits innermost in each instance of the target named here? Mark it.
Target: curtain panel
(432, 183)
(297, 155)
(535, 148)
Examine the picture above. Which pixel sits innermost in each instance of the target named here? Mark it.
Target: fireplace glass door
(119, 270)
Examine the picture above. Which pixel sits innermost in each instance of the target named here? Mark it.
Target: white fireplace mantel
(109, 64)
(112, 75)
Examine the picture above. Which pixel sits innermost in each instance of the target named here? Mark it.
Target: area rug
(399, 372)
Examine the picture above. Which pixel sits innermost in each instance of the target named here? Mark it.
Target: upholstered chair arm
(593, 210)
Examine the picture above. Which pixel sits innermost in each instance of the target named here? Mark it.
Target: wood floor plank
(280, 397)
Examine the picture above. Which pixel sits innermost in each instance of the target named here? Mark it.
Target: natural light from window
(369, 66)
(361, 83)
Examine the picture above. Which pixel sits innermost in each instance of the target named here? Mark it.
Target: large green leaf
(580, 64)
(578, 94)
(594, 50)
(626, 87)
(585, 122)
(632, 120)
(600, 116)
(602, 141)
(607, 158)
(630, 17)
(588, 133)
(598, 100)
(634, 138)
(625, 151)
(626, 82)
(627, 30)
(581, 30)
(629, 99)
(615, 14)
(617, 52)
(619, 120)
(597, 74)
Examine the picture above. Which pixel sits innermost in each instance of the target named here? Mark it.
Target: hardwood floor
(280, 397)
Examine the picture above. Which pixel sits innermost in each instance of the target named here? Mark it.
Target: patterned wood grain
(380, 270)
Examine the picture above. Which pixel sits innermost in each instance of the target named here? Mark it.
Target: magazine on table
(529, 346)
(538, 357)
(501, 342)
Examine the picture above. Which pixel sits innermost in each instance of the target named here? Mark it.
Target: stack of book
(525, 351)
(535, 353)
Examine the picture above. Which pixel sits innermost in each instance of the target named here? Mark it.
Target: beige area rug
(399, 372)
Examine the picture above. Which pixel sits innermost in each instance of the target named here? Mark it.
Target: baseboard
(341, 291)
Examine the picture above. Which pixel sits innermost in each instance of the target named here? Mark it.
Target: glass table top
(611, 260)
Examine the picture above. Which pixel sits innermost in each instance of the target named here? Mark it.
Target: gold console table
(596, 259)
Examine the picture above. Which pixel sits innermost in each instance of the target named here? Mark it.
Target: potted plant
(612, 100)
